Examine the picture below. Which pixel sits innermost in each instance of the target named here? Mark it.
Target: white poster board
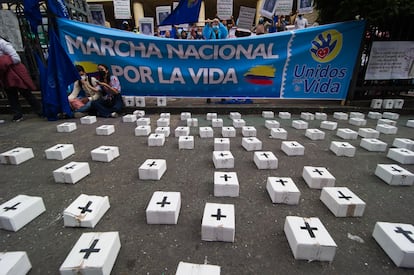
(97, 14)
(224, 9)
(305, 6)
(284, 7)
(268, 8)
(146, 25)
(246, 17)
(122, 9)
(162, 12)
(10, 30)
(391, 60)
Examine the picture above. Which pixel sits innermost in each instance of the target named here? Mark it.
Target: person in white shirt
(301, 22)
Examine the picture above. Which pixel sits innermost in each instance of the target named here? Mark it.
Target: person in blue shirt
(215, 30)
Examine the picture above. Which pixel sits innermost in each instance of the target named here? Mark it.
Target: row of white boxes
(139, 101)
(378, 103)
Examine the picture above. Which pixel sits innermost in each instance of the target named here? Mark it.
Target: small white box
(285, 115)
(346, 133)
(239, 123)
(105, 153)
(340, 115)
(265, 160)
(251, 144)
(328, 125)
(163, 122)
(226, 184)
(394, 174)
(161, 101)
(387, 103)
(374, 115)
(398, 103)
(217, 122)
(403, 143)
(14, 263)
(299, 124)
(186, 142)
(105, 130)
(221, 144)
(143, 121)
(19, 211)
(197, 269)
(156, 140)
(278, 133)
(223, 159)
(410, 123)
(376, 103)
(182, 131)
(139, 113)
(307, 116)
(387, 121)
(16, 156)
(368, 133)
(129, 118)
(129, 101)
(140, 101)
(356, 115)
(85, 211)
(206, 132)
(163, 208)
(401, 155)
(386, 129)
(315, 134)
(321, 116)
(373, 145)
(152, 169)
(390, 115)
(268, 114)
(211, 116)
(165, 115)
(269, 124)
(71, 172)
(283, 190)
(142, 130)
(192, 122)
(293, 148)
(357, 121)
(93, 253)
(163, 130)
(396, 239)
(185, 116)
(234, 115)
(218, 222)
(66, 127)
(342, 149)
(249, 131)
(60, 151)
(318, 177)
(88, 120)
(308, 239)
(342, 202)
(228, 132)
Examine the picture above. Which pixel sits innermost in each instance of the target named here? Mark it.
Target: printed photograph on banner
(305, 6)
(146, 25)
(224, 9)
(162, 13)
(284, 7)
(97, 14)
(268, 8)
(246, 17)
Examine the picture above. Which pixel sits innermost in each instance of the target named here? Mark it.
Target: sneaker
(114, 114)
(17, 118)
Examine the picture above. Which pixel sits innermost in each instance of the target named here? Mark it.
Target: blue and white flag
(187, 11)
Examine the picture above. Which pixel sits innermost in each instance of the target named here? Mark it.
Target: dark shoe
(17, 118)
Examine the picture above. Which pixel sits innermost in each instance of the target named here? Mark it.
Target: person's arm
(10, 51)
(114, 86)
(75, 91)
(223, 31)
(207, 31)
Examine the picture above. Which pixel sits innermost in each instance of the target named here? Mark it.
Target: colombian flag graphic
(260, 75)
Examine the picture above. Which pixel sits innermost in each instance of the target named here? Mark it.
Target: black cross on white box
(221, 144)
(66, 127)
(129, 101)
(71, 172)
(226, 184)
(142, 121)
(156, 140)
(199, 269)
(293, 148)
(165, 130)
(60, 151)
(228, 132)
(164, 208)
(405, 143)
(163, 122)
(223, 159)
(140, 101)
(315, 134)
(342, 149)
(394, 174)
(251, 144)
(105, 153)
(249, 131)
(19, 211)
(105, 130)
(317, 177)
(161, 101)
(129, 118)
(368, 133)
(142, 130)
(217, 122)
(206, 132)
(308, 239)
(218, 222)
(85, 211)
(239, 123)
(278, 133)
(401, 155)
(342, 202)
(93, 253)
(328, 125)
(152, 169)
(182, 131)
(299, 124)
(88, 120)
(397, 240)
(15, 262)
(284, 115)
(265, 160)
(16, 156)
(282, 190)
(387, 129)
(373, 145)
(186, 142)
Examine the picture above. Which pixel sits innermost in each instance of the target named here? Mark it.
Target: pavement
(260, 245)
